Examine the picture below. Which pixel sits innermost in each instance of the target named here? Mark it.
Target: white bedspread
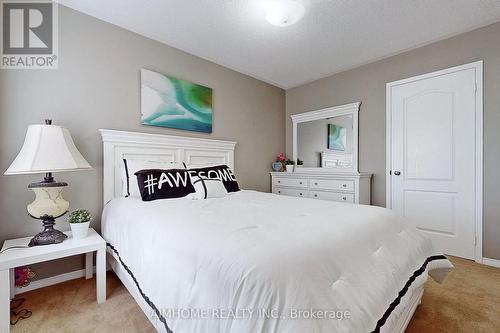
(250, 256)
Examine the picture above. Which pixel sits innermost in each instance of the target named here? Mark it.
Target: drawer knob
(344, 185)
(279, 191)
(300, 183)
(279, 181)
(300, 193)
(344, 198)
(315, 195)
(315, 183)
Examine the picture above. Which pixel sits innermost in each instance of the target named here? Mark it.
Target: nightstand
(17, 257)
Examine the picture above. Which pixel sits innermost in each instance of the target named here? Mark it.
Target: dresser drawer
(332, 196)
(295, 182)
(333, 184)
(291, 192)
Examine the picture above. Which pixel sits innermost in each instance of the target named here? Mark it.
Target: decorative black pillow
(222, 172)
(164, 184)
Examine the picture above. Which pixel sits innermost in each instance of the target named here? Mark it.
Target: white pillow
(131, 166)
(207, 188)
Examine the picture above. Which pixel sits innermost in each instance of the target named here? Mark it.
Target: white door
(433, 156)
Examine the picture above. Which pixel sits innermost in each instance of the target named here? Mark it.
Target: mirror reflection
(326, 143)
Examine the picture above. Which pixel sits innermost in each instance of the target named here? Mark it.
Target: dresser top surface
(321, 174)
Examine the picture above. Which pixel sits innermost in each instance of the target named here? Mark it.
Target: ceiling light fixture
(283, 13)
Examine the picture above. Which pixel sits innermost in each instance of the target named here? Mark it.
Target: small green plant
(79, 216)
(289, 162)
(300, 162)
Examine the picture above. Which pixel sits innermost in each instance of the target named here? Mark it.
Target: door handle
(397, 173)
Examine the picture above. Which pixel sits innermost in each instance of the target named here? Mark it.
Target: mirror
(327, 139)
(325, 143)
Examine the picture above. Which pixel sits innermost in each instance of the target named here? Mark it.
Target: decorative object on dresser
(325, 173)
(79, 220)
(277, 166)
(283, 164)
(47, 148)
(289, 165)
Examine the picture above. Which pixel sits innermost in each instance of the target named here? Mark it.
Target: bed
(258, 262)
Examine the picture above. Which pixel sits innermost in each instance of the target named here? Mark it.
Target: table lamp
(47, 148)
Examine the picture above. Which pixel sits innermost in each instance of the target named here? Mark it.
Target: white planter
(289, 168)
(80, 230)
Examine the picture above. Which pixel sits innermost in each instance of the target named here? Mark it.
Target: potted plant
(79, 220)
(289, 165)
(279, 164)
(300, 163)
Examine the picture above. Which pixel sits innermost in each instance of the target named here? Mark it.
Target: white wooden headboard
(118, 145)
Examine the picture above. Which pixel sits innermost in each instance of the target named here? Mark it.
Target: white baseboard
(52, 280)
(491, 262)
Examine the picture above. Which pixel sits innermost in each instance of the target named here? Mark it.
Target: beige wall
(367, 85)
(97, 86)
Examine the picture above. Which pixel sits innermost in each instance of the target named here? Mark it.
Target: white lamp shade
(47, 148)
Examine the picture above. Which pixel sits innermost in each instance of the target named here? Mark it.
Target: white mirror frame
(341, 110)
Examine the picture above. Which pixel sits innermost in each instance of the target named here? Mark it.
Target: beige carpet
(71, 307)
(468, 301)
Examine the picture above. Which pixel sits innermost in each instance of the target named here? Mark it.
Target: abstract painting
(170, 102)
(337, 136)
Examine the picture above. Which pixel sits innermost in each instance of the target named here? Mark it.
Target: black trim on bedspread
(146, 298)
(380, 323)
(403, 291)
(127, 175)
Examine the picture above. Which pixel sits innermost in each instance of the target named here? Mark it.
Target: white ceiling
(333, 36)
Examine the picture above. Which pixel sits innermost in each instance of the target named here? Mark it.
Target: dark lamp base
(49, 235)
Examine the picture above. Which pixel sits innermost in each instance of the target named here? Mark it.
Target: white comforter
(255, 262)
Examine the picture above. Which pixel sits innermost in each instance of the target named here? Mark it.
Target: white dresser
(353, 188)
(326, 142)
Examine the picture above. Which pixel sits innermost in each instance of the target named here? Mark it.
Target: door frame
(478, 205)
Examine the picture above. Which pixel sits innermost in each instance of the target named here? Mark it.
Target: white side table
(17, 257)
